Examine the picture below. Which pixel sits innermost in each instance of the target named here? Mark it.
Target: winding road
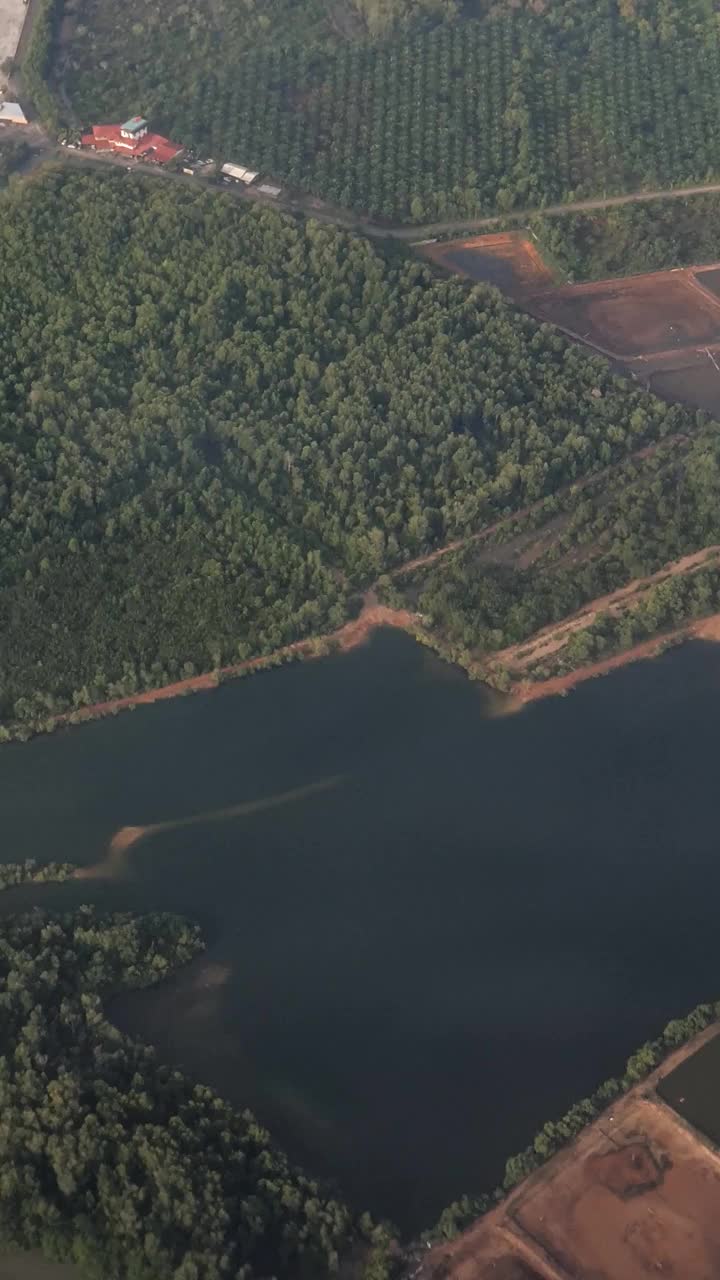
(322, 212)
(46, 149)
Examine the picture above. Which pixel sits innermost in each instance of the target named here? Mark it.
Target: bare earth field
(636, 1195)
(664, 327)
(508, 260)
(638, 316)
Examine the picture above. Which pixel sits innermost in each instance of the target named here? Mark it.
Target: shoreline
(349, 636)
(525, 692)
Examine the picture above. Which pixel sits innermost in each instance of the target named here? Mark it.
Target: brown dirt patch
(507, 260)
(636, 1195)
(514, 1269)
(554, 637)
(628, 1172)
(705, 629)
(669, 1225)
(639, 315)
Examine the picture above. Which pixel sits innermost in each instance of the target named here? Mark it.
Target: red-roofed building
(133, 140)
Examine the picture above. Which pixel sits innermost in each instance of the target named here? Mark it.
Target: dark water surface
(412, 969)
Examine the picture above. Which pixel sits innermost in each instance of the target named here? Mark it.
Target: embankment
(704, 629)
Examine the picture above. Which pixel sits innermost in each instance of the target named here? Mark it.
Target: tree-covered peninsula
(124, 1166)
(216, 425)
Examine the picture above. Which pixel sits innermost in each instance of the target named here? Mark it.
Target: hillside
(219, 425)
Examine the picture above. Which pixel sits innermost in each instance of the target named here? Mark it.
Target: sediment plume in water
(127, 837)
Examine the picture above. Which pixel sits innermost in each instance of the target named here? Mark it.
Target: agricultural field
(663, 327)
(710, 280)
(696, 382)
(509, 110)
(640, 316)
(635, 1195)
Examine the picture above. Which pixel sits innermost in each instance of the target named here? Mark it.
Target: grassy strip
(557, 1134)
(665, 606)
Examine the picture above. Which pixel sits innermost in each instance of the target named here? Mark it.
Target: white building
(12, 113)
(236, 173)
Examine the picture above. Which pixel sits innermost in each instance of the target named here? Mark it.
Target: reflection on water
(453, 926)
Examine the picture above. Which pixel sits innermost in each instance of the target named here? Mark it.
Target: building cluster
(132, 140)
(236, 173)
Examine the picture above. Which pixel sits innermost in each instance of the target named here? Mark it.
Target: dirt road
(311, 207)
(322, 212)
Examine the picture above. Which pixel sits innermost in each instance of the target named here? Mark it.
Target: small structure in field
(269, 190)
(12, 113)
(133, 140)
(236, 173)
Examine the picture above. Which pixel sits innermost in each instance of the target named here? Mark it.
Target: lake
(431, 927)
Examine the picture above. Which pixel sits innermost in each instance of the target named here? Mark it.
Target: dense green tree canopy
(215, 425)
(585, 543)
(633, 238)
(117, 1163)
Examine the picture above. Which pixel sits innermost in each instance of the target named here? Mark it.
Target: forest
(653, 236)
(580, 545)
(447, 115)
(124, 1166)
(218, 425)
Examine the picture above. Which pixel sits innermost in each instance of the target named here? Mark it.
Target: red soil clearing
(706, 629)
(635, 1195)
(507, 260)
(647, 315)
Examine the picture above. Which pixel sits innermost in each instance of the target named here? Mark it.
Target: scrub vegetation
(123, 1166)
(452, 112)
(217, 425)
(633, 238)
(576, 548)
(13, 154)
